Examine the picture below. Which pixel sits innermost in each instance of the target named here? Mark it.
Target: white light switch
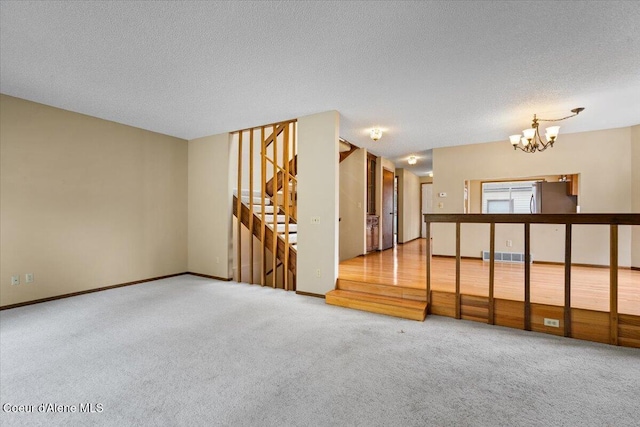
(442, 194)
(315, 220)
(28, 278)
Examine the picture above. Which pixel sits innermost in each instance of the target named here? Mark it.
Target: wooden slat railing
(277, 146)
(612, 220)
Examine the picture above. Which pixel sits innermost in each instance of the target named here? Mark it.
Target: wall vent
(506, 257)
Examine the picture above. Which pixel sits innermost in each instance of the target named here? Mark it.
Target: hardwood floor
(405, 266)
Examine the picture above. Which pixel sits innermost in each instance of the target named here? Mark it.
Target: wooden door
(386, 217)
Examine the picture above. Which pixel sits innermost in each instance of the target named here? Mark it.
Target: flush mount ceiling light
(412, 160)
(430, 174)
(531, 141)
(376, 134)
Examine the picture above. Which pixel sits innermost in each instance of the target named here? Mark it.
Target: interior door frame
(384, 218)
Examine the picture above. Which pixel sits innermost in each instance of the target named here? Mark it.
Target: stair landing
(396, 301)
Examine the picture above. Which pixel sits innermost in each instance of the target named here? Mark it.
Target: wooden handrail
(613, 220)
(282, 172)
(581, 218)
(275, 134)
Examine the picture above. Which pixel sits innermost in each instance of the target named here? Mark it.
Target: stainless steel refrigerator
(552, 198)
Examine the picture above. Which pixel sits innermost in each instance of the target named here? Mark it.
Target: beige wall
(409, 209)
(210, 205)
(353, 205)
(85, 202)
(318, 196)
(603, 160)
(635, 192)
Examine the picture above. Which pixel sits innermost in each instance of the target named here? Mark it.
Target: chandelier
(530, 140)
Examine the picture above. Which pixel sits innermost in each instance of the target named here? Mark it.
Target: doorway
(387, 208)
(395, 210)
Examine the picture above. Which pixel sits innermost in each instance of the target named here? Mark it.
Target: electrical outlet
(15, 280)
(318, 272)
(217, 260)
(555, 323)
(315, 220)
(509, 243)
(28, 278)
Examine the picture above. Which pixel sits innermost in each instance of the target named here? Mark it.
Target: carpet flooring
(189, 351)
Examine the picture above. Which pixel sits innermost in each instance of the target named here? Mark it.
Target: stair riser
(372, 307)
(383, 290)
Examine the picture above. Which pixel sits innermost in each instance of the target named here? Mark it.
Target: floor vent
(506, 256)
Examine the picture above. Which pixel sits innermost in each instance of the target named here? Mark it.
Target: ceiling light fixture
(412, 160)
(376, 134)
(430, 174)
(531, 141)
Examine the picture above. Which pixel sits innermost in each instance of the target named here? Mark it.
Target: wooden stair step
(246, 193)
(256, 201)
(269, 219)
(293, 228)
(268, 209)
(391, 306)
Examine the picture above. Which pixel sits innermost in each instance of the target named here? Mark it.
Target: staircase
(267, 204)
(407, 303)
(256, 217)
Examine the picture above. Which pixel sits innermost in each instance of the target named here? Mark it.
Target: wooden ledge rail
(613, 220)
(599, 218)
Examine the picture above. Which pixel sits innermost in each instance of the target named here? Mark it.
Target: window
(507, 197)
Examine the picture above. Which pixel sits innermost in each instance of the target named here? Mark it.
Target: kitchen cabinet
(373, 232)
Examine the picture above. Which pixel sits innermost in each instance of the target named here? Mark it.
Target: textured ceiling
(431, 74)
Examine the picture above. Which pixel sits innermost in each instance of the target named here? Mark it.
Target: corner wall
(210, 203)
(85, 202)
(635, 193)
(603, 160)
(353, 202)
(318, 196)
(409, 209)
